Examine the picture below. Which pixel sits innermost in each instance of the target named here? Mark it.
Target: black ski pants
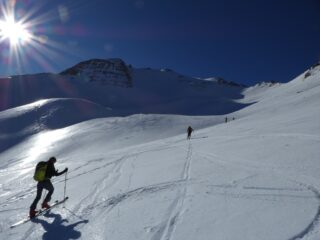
(43, 185)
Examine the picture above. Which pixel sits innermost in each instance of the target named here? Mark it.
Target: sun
(31, 34)
(14, 31)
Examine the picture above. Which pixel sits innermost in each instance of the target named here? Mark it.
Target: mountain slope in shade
(125, 89)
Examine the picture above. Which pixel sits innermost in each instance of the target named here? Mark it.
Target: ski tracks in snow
(101, 185)
(142, 191)
(175, 211)
(166, 229)
(311, 230)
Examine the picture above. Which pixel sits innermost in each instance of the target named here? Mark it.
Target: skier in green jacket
(45, 184)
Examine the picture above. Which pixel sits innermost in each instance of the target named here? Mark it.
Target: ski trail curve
(314, 224)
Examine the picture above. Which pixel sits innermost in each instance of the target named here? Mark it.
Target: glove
(65, 170)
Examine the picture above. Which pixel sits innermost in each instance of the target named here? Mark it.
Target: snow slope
(137, 177)
(18, 123)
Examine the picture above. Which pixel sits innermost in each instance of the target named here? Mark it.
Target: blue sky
(245, 41)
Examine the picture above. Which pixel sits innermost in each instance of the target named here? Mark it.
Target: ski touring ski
(41, 212)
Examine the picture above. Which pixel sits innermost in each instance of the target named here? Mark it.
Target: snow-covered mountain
(137, 177)
(124, 89)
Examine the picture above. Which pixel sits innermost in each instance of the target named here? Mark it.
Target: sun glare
(31, 33)
(15, 32)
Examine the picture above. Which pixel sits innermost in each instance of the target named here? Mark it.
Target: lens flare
(31, 39)
(31, 33)
(15, 32)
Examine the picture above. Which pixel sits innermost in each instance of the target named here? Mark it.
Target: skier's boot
(45, 205)
(32, 213)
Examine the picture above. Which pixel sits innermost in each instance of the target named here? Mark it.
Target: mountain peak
(112, 71)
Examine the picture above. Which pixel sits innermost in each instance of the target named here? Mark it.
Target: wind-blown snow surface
(137, 177)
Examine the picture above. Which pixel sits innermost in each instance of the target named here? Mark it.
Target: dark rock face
(222, 81)
(312, 70)
(229, 83)
(105, 71)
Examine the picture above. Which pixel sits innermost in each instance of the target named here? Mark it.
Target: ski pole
(65, 185)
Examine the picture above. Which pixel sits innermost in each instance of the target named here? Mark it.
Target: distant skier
(189, 130)
(44, 172)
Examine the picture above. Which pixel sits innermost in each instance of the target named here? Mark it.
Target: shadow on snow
(57, 230)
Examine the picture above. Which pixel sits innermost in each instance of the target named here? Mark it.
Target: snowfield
(138, 177)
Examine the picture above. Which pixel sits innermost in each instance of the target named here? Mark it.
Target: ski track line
(131, 172)
(284, 135)
(176, 208)
(113, 162)
(117, 166)
(100, 185)
(116, 170)
(216, 159)
(30, 230)
(267, 195)
(18, 196)
(12, 209)
(315, 223)
(112, 202)
(114, 175)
